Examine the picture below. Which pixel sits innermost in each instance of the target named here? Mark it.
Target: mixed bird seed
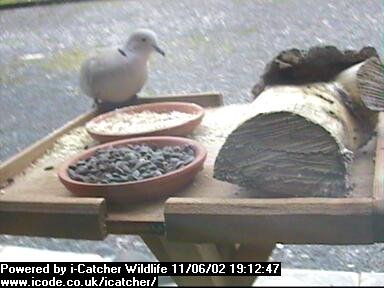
(130, 163)
(146, 121)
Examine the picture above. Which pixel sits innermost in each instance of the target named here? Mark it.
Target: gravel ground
(210, 45)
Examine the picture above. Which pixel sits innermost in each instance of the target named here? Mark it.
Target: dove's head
(143, 41)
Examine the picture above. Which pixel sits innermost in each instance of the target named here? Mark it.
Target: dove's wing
(86, 78)
(96, 69)
(112, 76)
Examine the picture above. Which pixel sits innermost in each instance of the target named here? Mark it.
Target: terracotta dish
(182, 129)
(141, 190)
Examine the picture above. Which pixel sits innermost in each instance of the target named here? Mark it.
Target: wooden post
(251, 253)
(167, 251)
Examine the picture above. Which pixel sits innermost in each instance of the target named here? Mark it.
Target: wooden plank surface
(291, 221)
(47, 217)
(296, 221)
(37, 204)
(378, 181)
(147, 218)
(204, 99)
(22, 160)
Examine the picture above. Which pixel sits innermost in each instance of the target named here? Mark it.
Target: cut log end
(370, 82)
(284, 153)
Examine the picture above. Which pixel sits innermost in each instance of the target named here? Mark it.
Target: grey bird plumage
(118, 75)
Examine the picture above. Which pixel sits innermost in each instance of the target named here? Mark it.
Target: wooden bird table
(208, 221)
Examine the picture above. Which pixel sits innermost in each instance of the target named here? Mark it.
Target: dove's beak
(157, 49)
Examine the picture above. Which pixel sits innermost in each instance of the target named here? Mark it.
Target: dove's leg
(104, 106)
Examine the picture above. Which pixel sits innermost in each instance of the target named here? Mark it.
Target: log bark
(313, 111)
(317, 64)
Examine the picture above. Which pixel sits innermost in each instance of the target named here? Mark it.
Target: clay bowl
(142, 190)
(182, 129)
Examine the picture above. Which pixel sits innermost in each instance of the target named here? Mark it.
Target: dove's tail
(86, 80)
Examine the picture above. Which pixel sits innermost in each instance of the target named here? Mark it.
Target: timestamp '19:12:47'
(262, 268)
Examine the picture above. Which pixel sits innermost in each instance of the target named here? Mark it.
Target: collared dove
(116, 76)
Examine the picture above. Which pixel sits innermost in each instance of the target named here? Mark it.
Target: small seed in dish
(130, 163)
(146, 121)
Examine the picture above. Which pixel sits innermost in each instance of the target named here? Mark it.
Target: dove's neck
(140, 55)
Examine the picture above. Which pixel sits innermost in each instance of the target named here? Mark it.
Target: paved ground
(210, 45)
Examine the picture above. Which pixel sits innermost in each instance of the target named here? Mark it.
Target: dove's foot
(104, 106)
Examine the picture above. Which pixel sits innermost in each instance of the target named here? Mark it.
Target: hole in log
(324, 98)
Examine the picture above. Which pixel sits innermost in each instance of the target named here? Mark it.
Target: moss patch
(11, 73)
(65, 61)
(197, 40)
(248, 31)
(11, 2)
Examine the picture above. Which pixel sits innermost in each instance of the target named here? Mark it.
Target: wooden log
(299, 139)
(295, 140)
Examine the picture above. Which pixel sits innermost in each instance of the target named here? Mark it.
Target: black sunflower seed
(130, 163)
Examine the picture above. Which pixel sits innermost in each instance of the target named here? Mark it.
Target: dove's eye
(143, 39)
